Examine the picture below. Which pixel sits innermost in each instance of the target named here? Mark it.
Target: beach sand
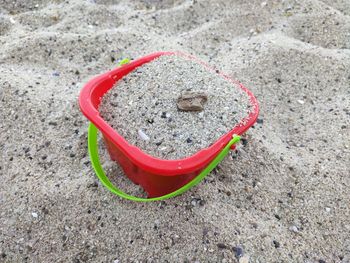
(282, 197)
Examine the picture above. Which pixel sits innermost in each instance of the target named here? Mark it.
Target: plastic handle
(95, 161)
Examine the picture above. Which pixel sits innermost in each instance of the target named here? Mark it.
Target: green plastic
(124, 61)
(95, 161)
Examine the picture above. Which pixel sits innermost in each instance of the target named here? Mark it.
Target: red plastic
(157, 177)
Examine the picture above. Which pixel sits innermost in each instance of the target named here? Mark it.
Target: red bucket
(157, 176)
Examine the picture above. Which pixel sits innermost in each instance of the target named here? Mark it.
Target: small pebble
(301, 102)
(35, 215)
(293, 229)
(143, 135)
(197, 201)
(238, 251)
(192, 101)
(327, 209)
(244, 259)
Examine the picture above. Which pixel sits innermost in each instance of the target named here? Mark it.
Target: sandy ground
(283, 197)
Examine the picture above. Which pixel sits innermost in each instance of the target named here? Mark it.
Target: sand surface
(142, 107)
(283, 197)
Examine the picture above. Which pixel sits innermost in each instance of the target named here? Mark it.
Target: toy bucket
(160, 178)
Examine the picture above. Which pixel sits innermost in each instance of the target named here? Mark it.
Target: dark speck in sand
(238, 251)
(53, 123)
(221, 246)
(260, 121)
(276, 244)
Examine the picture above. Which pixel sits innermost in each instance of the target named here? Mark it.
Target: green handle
(93, 151)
